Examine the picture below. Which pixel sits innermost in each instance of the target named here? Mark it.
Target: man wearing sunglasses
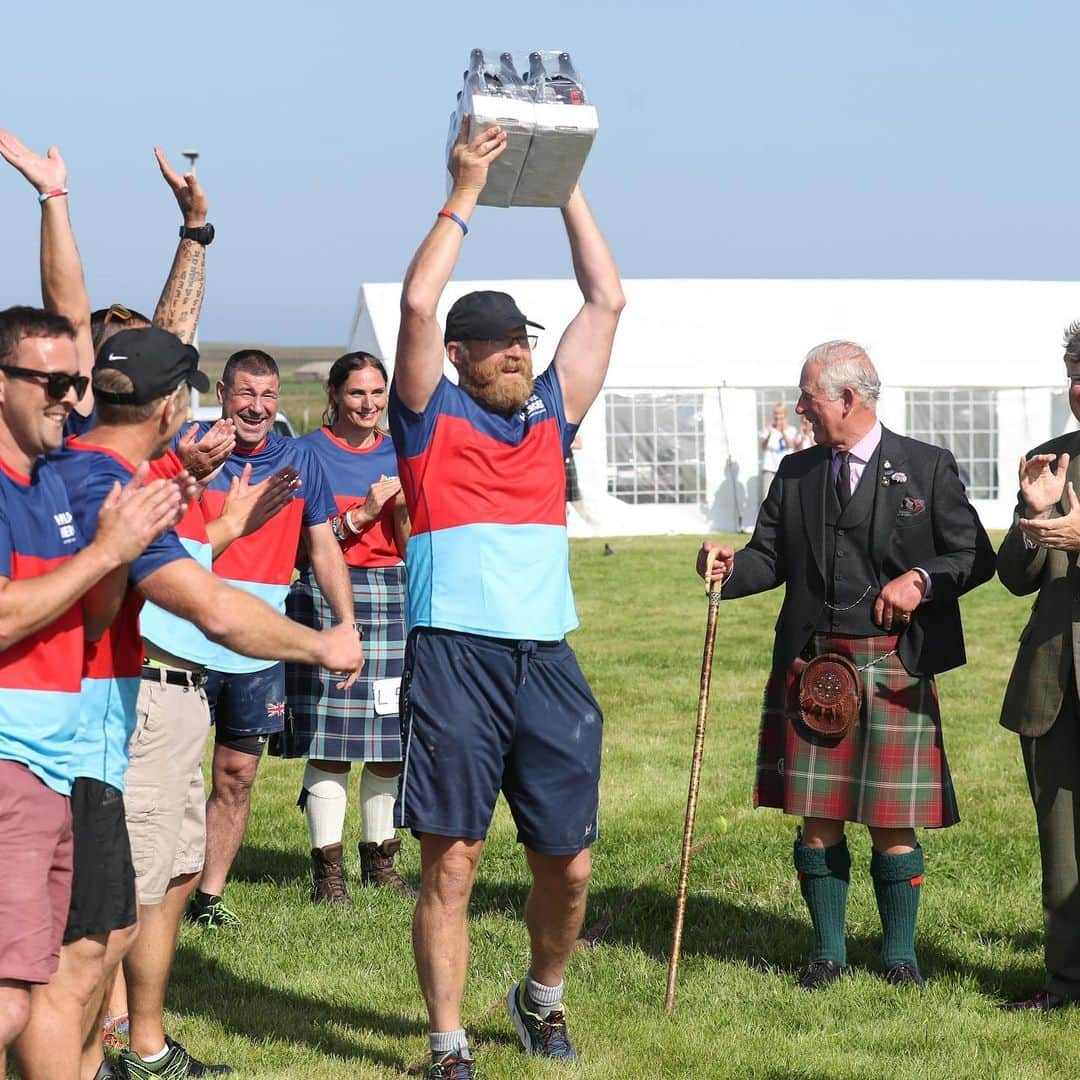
(491, 689)
(55, 592)
(142, 380)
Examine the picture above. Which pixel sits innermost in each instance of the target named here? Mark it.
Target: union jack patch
(275, 710)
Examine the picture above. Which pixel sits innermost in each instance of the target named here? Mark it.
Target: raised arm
(63, 289)
(581, 360)
(181, 300)
(419, 360)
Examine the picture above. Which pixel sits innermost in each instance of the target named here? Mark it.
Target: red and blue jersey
(40, 675)
(166, 630)
(486, 494)
(262, 563)
(113, 664)
(351, 472)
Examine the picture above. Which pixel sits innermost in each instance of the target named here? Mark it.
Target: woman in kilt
(330, 727)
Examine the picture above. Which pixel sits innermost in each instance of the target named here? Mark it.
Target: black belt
(174, 676)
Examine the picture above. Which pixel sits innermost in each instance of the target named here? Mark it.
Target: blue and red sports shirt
(262, 563)
(166, 630)
(113, 665)
(40, 676)
(352, 472)
(486, 494)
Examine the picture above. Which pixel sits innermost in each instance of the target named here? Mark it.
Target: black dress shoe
(1043, 1001)
(904, 974)
(819, 974)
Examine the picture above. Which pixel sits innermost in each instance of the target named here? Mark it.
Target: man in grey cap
(492, 694)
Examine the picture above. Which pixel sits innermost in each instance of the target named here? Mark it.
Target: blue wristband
(453, 217)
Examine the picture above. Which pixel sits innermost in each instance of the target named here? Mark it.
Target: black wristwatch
(201, 234)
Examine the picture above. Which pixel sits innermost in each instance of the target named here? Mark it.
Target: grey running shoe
(207, 910)
(177, 1064)
(453, 1065)
(540, 1036)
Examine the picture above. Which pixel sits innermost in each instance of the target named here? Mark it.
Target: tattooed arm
(181, 299)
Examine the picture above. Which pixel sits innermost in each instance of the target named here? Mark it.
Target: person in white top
(777, 441)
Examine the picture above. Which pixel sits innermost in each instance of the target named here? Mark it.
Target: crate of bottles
(541, 103)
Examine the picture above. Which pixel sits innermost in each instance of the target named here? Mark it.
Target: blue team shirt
(40, 676)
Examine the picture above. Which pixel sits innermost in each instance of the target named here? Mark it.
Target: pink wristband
(45, 196)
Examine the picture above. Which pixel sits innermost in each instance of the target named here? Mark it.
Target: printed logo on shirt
(533, 406)
(275, 710)
(64, 524)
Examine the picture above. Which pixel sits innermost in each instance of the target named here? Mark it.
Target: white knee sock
(327, 798)
(377, 795)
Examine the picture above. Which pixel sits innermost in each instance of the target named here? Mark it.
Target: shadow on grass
(726, 930)
(260, 1012)
(257, 865)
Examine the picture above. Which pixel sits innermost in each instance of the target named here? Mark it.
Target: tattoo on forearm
(181, 300)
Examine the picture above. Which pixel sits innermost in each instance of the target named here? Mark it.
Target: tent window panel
(965, 421)
(656, 447)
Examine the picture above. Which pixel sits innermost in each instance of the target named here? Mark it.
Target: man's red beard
(487, 381)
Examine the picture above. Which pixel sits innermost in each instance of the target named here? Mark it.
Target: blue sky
(784, 139)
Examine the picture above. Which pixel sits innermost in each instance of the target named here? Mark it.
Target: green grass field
(308, 992)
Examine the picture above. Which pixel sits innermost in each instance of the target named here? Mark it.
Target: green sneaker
(177, 1064)
(453, 1065)
(207, 910)
(540, 1036)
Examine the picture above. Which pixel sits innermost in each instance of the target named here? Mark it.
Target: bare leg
(822, 832)
(555, 910)
(149, 962)
(50, 1046)
(893, 841)
(227, 812)
(93, 1052)
(14, 1013)
(440, 929)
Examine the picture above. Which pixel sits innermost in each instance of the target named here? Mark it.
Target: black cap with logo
(483, 316)
(155, 361)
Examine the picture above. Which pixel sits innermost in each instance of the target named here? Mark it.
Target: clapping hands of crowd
(250, 506)
(133, 516)
(203, 456)
(1042, 488)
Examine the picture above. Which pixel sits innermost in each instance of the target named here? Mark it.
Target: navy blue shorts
(248, 704)
(480, 715)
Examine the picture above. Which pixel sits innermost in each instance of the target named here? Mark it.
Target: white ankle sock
(442, 1042)
(377, 795)
(327, 798)
(156, 1057)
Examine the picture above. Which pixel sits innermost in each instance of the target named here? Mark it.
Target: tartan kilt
(888, 772)
(327, 724)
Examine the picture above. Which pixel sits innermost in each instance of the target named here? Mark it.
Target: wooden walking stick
(712, 591)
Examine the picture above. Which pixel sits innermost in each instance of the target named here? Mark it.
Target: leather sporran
(830, 695)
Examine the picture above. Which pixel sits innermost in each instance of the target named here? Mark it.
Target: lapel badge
(886, 464)
(884, 481)
(899, 478)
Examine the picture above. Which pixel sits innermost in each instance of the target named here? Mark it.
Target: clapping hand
(1040, 486)
(1060, 533)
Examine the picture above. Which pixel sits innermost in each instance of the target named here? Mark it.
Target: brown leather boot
(377, 866)
(328, 876)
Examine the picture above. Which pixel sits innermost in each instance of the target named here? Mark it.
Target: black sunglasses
(57, 383)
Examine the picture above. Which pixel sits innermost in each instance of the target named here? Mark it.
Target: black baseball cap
(481, 316)
(155, 361)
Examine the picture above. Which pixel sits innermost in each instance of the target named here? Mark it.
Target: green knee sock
(823, 880)
(897, 885)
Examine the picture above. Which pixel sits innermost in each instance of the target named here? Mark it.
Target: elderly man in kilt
(875, 540)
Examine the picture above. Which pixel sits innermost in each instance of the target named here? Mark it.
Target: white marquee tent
(672, 446)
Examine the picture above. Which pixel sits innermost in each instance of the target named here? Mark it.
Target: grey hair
(1072, 343)
(845, 364)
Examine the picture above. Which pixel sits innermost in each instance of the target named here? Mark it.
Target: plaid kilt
(327, 724)
(889, 771)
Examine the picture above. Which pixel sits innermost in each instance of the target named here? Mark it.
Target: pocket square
(910, 506)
